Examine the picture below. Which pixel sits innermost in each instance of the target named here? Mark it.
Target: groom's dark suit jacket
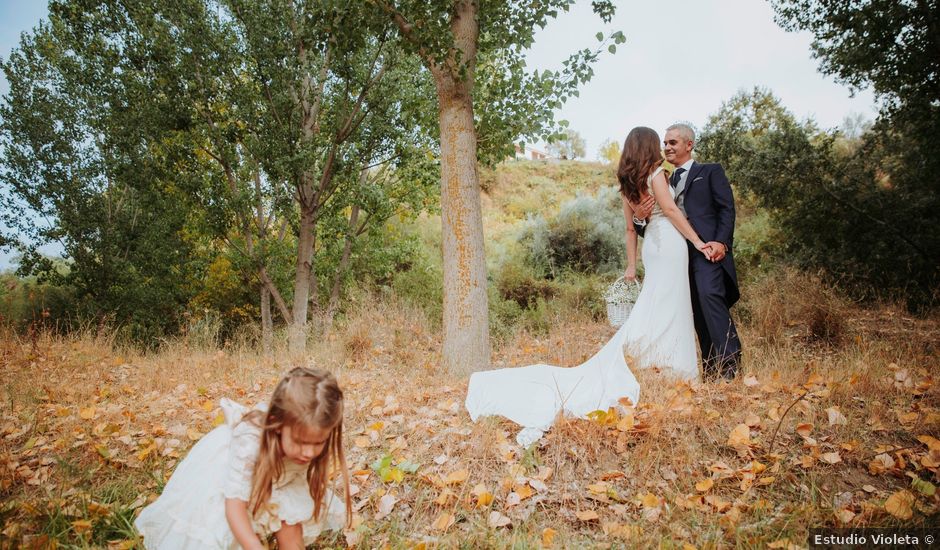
(709, 205)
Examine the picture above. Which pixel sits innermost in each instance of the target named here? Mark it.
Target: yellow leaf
(650, 500)
(81, 526)
(457, 477)
(443, 522)
(484, 499)
(587, 515)
(87, 413)
(900, 505)
(766, 480)
(207, 406)
(524, 491)
(626, 423)
(704, 485)
(932, 443)
(376, 426)
(218, 420)
(548, 537)
(740, 436)
(193, 435)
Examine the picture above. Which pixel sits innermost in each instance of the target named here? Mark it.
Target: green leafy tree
(75, 155)
(474, 51)
(838, 211)
(570, 145)
(894, 48)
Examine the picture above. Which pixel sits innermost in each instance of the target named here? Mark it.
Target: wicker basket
(620, 297)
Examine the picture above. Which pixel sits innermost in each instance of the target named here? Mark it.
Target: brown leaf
(740, 436)
(587, 515)
(901, 505)
(804, 429)
(831, 458)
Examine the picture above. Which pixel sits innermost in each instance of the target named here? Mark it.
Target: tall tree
(474, 51)
(569, 146)
(85, 150)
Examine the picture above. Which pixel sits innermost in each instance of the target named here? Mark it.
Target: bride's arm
(671, 211)
(630, 236)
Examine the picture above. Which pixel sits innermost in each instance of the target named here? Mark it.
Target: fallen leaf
(845, 515)
(835, 417)
(443, 522)
(804, 429)
(900, 505)
(386, 505)
(751, 381)
(496, 520)
(932, 443)
(831, 458)
(459, 476)
(548, 537)
(587, 515)
(740, 436)
(704, 485)
(87, 413)
(650, 500)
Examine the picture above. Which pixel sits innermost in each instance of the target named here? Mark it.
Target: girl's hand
(630, 274)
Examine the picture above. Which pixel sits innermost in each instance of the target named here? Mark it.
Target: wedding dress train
(659, 332)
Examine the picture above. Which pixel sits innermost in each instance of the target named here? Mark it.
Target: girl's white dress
(190, 513)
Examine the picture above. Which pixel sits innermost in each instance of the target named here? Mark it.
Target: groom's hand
(643, 210)
(718, 250)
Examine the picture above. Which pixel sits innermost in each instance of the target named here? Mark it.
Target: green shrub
(585, 236)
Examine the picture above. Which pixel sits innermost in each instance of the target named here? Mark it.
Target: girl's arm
(236, 512)
(671, 211)
(630, 273)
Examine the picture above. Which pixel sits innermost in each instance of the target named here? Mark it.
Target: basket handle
(635, 281)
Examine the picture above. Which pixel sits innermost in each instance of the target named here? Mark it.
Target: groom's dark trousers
(709, 205)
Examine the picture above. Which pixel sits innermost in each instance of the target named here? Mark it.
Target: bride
(659, 331)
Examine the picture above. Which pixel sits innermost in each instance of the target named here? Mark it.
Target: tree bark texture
(466, 346)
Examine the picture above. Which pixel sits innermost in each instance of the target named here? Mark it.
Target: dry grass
(88, 429)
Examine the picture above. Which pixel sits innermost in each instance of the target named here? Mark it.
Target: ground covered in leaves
(810, 435)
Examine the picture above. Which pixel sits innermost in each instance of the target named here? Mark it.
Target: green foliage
(863, 217)
(570, 145)
(587, 235)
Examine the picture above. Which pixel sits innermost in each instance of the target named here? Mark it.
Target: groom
(704, 196)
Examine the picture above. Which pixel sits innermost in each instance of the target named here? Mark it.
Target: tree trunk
(343, 262)
(297, 334)
(466, 346)
(267, 324)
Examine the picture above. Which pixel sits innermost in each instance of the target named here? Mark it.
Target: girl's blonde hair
(310, 398)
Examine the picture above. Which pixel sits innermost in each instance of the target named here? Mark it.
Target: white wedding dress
(659, 332)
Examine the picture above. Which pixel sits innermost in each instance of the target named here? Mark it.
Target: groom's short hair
(687, 132)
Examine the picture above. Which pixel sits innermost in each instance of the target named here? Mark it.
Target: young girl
(261, 472)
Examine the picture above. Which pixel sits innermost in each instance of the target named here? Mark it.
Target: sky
(681, 60)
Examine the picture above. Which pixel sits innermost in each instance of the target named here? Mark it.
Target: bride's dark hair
(641, 155)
